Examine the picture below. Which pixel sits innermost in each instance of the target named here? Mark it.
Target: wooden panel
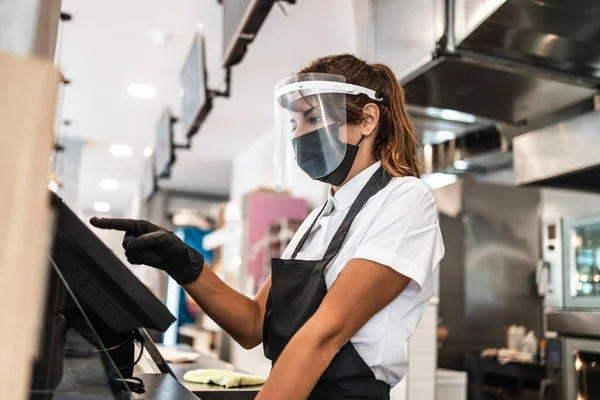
(27, 105)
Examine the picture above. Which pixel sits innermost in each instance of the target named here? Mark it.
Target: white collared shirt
(398, 227)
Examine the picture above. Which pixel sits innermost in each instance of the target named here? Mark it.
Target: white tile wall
(422, 357)
(400, 392)
(421, 391)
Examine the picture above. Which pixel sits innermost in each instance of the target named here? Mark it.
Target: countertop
(207, 391)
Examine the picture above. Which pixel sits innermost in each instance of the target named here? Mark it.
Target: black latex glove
(146, 243)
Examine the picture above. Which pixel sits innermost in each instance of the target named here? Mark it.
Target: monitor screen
(100, 280)
(234, 12)
(163, 144)
(148, 181)
(193, 80)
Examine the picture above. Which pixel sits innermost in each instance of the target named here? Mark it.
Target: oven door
(581, 270)
(581, 369)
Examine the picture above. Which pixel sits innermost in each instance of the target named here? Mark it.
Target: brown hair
(395, 144)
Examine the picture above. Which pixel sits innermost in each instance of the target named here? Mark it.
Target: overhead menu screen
(148, 181)
(194, 84)
(233, 13)
(164, 144)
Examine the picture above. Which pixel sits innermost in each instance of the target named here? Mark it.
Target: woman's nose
(301, 129)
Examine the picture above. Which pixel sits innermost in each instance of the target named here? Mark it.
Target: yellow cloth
(222, 377)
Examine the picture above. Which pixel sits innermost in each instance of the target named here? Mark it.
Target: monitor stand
(66, 337)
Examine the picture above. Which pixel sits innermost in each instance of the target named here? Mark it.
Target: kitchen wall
(487, 276)
(569, 203)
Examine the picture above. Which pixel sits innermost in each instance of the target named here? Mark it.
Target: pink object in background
(261, 210)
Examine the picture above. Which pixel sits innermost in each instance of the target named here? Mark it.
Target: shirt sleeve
(405, 234)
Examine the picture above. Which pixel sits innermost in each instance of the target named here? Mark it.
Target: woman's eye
(315, 119)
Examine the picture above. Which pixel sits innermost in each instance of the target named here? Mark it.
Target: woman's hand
(146, 243)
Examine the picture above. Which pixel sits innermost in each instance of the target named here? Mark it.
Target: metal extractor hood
(563, 155)
(510, 61)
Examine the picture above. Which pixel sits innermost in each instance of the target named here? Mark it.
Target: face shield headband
(321, 149)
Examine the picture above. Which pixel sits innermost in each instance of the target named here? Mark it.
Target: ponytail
(396, 143)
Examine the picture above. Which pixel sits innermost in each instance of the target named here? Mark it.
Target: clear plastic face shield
(311, 130)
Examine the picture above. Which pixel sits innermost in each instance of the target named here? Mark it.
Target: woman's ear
(370, 119)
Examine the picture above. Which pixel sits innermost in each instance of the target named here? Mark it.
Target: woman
(350, 289)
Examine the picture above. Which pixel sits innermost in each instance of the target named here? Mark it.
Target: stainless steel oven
(571, 268)
(573, 359)
(581, 271)
(581, 369)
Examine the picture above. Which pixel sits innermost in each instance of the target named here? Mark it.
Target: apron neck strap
(307, 233)
(378, 181)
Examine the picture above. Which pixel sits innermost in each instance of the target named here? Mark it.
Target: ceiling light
(445, 135)
(141, 91)
(438, 180)
(101, 206)
(461, 164)
(450, 115)
(147, 151)
(458, 116)
(159, 37)
(121, 150)
(109, 184)
(437, 137)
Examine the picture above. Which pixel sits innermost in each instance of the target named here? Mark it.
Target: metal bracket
(227, 92)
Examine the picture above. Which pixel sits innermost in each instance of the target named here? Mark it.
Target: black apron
(297, 289)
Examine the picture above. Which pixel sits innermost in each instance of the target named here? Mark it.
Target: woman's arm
(149, 244)
(240, 316)
(361, 291)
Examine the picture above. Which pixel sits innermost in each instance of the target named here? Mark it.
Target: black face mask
(316, 150)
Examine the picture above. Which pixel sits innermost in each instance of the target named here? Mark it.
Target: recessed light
(461, 164)
(159, 37)
(121, 150)
(109, 184)
(141, 91)
(147, 151)
(450, 115)
(101, 206)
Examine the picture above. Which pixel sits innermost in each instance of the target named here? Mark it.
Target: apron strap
(378, 181)
(307, 233)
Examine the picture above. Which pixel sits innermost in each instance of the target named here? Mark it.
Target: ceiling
(109, 45)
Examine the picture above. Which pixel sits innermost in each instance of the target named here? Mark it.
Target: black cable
(133, 384)
(141, 341)
(137, 360)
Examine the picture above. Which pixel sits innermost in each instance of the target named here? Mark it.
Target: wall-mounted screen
(196, 102)
(164, 154)
(241, 21)
(148, 184)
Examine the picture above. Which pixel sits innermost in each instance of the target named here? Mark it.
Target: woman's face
(308, 114)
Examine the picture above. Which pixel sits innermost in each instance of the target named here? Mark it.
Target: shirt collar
(346, 195)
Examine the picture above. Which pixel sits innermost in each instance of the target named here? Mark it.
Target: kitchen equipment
(573, 367)
(504, 60)
(581, 272)
(570, 271)
(573, 358)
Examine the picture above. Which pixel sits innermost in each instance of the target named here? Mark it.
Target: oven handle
(544, 385)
